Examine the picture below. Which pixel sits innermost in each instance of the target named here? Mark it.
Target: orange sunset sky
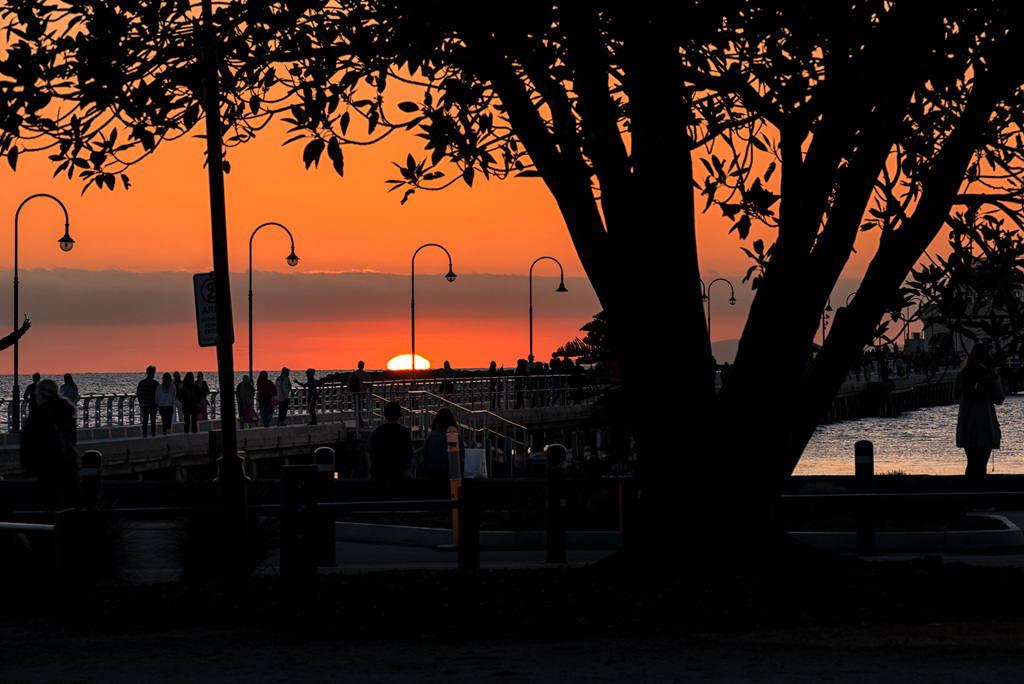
(122, 298)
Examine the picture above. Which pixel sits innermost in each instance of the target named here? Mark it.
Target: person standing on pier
(30, 394)
(265, 393)
(358, 386)
(284, 392)
(312, 393)
(69, 390)
(164, 397)
(978, 389)
(189, 396)
(145, 392)
(494, 375)
(246, 394)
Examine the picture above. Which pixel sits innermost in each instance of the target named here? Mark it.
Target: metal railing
(477, 395)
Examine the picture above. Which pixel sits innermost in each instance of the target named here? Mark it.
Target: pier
(550, 408)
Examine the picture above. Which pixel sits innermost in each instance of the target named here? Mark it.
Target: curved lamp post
(561, 288)
(292, 261)
(707, 298)
(451, 278)
(66, 243)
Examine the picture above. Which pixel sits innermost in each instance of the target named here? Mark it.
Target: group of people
(392, 456)
(173, 397)
(267, 396)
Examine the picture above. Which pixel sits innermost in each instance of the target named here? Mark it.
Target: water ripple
(919, 442)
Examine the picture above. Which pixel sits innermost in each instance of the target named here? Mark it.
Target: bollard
(324, 489)
(298, 522)
(555, 454)
(864, 464)
(864, 467)
(92, 472)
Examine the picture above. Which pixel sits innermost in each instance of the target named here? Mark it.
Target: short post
(556, 493)
(864, 466)
(864, 472)
(324, 486)
(298, 520)
(92, 473)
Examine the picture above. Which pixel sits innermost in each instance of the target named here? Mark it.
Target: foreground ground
(825, 621)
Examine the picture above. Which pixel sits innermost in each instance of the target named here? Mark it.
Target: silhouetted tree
(976, 290)
(594, 346)
(814, 122)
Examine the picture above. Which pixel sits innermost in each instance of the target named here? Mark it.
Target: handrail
(471, 393)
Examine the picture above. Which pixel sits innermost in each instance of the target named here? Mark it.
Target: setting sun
(404, 362)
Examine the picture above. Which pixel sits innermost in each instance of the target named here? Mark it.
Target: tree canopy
(811, 126)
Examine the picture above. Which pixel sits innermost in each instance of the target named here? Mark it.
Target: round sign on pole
(206, 309)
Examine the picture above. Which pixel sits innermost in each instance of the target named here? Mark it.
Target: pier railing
(478, 395)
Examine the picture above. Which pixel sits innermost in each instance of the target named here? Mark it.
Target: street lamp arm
(66, 243)
(291, 260)
(707, 298)
(561, 288)
(412, 302)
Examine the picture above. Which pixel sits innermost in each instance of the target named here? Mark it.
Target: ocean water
(125, 383)
(920, 442)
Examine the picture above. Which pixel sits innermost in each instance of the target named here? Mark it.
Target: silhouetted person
(48, 441)
(312, 393)
(494, 375)
(246, 394)
(284, 393)
(69, 390)
(190, 397)
(145, 392)
(204, 389)
(977, 388)
(179, 412)
(265, 393)
(165, 397)
(447, 380)
(359, 385)
(435, 446)
(390, 446)
(522, 376)
(30, 393)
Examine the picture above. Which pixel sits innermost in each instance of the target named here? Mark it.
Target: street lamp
(292, 261)
(561, 288)
(66, 243)
(707, 298)
(450, 276)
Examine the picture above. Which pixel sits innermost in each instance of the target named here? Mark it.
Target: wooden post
(864, 464)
